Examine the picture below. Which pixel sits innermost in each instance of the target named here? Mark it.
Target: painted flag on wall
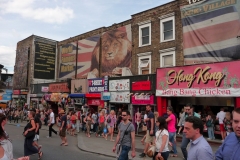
(210, 30)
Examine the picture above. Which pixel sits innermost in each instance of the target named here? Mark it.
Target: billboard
(211, 31)
(68, 60)
(206, 80)
(116, 49)
(86, 48)
(21, 68)
(45, 55)
(79, 86)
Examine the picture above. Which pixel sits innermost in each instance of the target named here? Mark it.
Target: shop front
(19, 98)
(79, 87)
(120, 94)
(93, 97)
(208, 87)
(38, 92)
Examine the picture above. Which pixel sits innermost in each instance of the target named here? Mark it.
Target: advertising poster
(96, 85)
(21, 68)
(119, 85)
(206, 80)
(211, 31)
(116, 52)
(86, 49)
(45, 55)
(79, 86)
(68, 60)
(121, 97)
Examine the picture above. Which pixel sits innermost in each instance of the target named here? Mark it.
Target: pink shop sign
(143, 99)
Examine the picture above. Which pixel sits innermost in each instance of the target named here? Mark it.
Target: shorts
(149, 138)
(222, 129)
(108, 126)
(73, 126)
(59, 124)
(36, 138)
(62, 133)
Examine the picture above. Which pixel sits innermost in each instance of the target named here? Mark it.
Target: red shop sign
(95, 102)
(145, 99)
(58, 87)
(16, 92)
(141, 86)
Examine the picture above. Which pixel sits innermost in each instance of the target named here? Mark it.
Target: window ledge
(167, 15)
(144, 54)
(144, 22)
(167, 50)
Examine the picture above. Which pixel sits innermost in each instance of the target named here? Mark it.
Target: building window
(145, 35)
(167, 59)
(144, 66)
(167, 29)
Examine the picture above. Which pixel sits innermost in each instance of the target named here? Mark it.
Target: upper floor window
(145, 35)
(144, 63)
(167, 59)
(167, 29)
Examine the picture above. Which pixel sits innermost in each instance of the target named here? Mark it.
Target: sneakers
(142, 155)
(48, 137)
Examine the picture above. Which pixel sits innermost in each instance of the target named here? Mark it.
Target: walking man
(189, 112)
(63, 128)
(37, 121)
(220, 117)
(199, 149)
(230, 148)
(78, 114)
(51, 123)
(150, 130)
(125, 137)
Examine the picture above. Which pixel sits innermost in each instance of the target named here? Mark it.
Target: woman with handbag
(162, 139)
(29, 133)
(88, 120)
(111, 121)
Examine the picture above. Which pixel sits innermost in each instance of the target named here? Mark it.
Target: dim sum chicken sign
(206, 80)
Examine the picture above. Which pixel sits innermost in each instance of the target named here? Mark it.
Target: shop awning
(93, 95)
(78, 95)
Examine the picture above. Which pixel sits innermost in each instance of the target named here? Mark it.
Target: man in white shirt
(51, 123)
(220, 118)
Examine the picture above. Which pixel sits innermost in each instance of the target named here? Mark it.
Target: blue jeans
(171, 139)
(184, 144)
(165, 155)
(124, 154)
(210, 133)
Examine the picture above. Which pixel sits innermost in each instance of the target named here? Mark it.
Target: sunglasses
(124, 115)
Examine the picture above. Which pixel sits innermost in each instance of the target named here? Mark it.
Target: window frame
(140, 34)
(161, 28)
(167, 54)
(149, 64)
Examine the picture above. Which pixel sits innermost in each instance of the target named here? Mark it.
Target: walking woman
(161, 139)
(29, 149)
(69, 122)
(88, 120)
(6, 149)
(73, 123)
(101, 124)
(111, 121)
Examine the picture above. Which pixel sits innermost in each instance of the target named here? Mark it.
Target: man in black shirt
(63, 128)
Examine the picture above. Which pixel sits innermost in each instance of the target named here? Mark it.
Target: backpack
(109, 120)
(209, 123)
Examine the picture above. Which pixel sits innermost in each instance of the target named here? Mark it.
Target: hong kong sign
(206, 80)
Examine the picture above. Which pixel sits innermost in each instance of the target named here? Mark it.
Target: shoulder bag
(119, 145)
(30, 133)
(151, 151)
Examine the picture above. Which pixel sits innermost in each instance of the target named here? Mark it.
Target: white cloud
(7, 57)
(26, 9)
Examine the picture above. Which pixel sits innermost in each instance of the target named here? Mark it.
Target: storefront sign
(119, 85)
(122, 97)
(105, 96)
(105, 83)
(79, 86)
(143, 99)
(207, 80)
(34, 99)
(58, 87)
(96, 85)
(141, 86)
(33, 95)
(16, 92)
(7, 97)
(95, 102)
(44, 89)
(193, 1)
(8, 91)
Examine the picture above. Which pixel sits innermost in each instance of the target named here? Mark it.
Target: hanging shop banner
(58, 87)
(95, 102)
(16, 92)
(120, 97)
(45, 55)
(45, 89)
(211, 31)
(106, 96)
(119, 85)
(7, 97)
(141, 86)
(95, 85)
(55, 97)
(105, 83)
(206, 80)
(79, 86)
(143, 99)
(8, 91)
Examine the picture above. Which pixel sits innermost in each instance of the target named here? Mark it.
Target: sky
(59, 19)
